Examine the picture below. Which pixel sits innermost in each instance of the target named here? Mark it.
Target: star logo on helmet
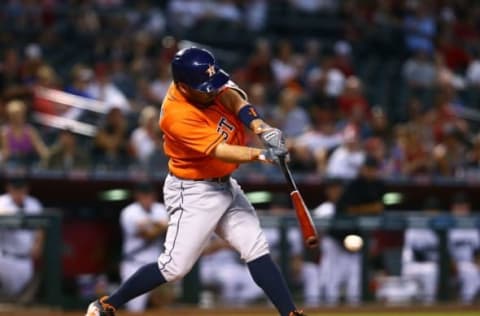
(210, 70)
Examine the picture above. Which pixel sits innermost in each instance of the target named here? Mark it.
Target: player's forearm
(258, 126)
(236, 154)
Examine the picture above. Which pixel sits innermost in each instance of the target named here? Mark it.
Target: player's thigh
(240, 227)
(195, 209)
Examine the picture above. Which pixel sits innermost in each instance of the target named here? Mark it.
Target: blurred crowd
(399, 80)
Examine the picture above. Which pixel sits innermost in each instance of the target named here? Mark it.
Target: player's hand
(273, 138)
(273, 155)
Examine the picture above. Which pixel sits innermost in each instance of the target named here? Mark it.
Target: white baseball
(353, 242)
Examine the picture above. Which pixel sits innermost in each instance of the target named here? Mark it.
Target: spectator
(259, 66)
(144, 137)
(104, 90)
(20, 249)
(143, 223)
(420, 28)
(326, 81)
(314, 6)
(410, 156)
(21, 143)
(289, 116)
(111, 141)
(311, 149)
(160, 84)
(419, 73)
(449, 154)
(185, 14)
(343, 58)
(283, 64)
(464, 247)
(346, 160)
(256, 15)
(473, 71)
(352, 100)
(10, 72)
(67, 154)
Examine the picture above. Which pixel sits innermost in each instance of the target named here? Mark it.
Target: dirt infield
(437, 310)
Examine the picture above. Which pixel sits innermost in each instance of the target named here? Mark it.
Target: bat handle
(286, 172)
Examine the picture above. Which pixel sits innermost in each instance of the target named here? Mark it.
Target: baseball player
(420, 256)
(19, 248)
(464, 247)
(202, 120)
(143, 223)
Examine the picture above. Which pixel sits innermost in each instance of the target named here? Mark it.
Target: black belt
(217, 179)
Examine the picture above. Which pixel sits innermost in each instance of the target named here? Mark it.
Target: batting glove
(273, 155)
(273, 138)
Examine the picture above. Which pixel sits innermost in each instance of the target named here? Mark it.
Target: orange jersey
(190, 134)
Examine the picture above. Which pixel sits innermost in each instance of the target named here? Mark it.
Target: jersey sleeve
(232, 85)
(195, 134)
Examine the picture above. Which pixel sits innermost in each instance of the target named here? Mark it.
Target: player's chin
(205, 101)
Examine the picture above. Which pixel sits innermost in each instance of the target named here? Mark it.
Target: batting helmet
(196, 67)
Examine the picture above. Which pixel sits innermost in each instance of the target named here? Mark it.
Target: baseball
(353, 242)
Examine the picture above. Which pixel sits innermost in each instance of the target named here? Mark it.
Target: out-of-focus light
(391, 198)
(114, 195)
(259, 197)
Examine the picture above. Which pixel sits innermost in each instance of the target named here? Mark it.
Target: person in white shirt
(346, 160)
(143, 139)
(19, 248)
(464, 248)
(420, 256)
(103, 89)
(220, 268)
(143, 223)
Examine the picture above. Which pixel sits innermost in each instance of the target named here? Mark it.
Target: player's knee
(255, 249)
(173, 272)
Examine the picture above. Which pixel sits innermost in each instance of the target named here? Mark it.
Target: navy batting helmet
(196, 67)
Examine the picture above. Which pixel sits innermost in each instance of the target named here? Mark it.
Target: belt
(217, 179)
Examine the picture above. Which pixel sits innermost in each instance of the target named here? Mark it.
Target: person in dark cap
(20, 248)
(420, 255)
(362, 195)
(143, 223)
(464, 250)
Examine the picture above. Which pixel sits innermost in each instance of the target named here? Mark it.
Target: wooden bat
(310, 236)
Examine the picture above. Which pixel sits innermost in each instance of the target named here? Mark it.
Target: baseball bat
(309, 233)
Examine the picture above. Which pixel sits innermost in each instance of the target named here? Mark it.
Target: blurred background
(379, 100)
